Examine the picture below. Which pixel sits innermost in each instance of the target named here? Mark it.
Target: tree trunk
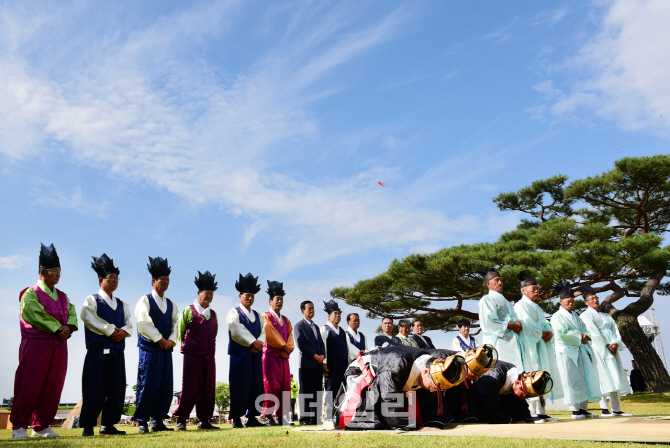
(643, 352)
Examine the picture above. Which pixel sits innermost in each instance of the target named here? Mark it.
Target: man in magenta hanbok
(47, 320)
(276, 351)
(198, 327)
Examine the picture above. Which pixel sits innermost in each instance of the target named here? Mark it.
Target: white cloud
(13, 261)
(624, 70)
(54, 198)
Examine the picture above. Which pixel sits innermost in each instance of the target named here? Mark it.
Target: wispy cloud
(54, 198)
(13, 261)
(623, 71)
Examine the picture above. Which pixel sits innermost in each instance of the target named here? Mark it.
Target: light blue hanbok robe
(542, 356)
(578, 376)
(610, 370)
(495, 311)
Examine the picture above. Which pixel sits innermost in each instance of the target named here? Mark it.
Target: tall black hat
(526, 278)
(275, 289)
(247, 284)
(564, 290)
(488, 273)
(104, 266)
(331, 306)
(158, 267)
(587, 290)
(48, 257)
(205, 282)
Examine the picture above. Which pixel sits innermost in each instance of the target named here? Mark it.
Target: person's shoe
(207, 425)
(547, 419)
(88, 432)
(254, 423)
(605, 413)
(143, 429)
(19, 433)
(577, 415)
(46, 432)
(181, 425)
(622, 414)
(537, 419)
(272, 421)
(587, 414)
(237, 423)
(160, 427)
(111, 431)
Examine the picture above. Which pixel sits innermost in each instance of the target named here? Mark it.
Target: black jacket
(494, 407)
(422, 344)
(382, 339)
(308, 344)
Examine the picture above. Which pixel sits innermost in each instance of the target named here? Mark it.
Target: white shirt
(238, 332)
(353, 350)
(278, 317)
(89, 315)
(145, 325)
(413, 379)
(203, 311)
(324, 336)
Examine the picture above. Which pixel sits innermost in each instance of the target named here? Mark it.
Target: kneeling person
(502, 393)
(397, 387)
(198, 327)
(107, 324)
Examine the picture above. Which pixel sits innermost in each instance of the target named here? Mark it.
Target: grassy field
(640, 404)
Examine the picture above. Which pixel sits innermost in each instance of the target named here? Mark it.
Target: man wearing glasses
(106, 326)
(47, 320)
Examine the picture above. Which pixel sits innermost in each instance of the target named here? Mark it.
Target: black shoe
(237, 423)
(143, 429)
(587, 414)
(272, 421)
(88, 432)
(207, 425)
(254, 423)
(111, 431)
(547, 418)
(159, 427)
(181, 425)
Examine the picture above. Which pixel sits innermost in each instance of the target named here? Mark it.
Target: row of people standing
(580, 352)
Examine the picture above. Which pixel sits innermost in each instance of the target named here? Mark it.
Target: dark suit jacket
(308, 344)
(422, 344)
(382, 339)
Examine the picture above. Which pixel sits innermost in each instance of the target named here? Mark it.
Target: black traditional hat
(564, 290)
(488, 273)
(247, 284)
(158, 267)
(587, 290)
(275, 289)
(526, 278)
(104, 266)
(48, 257)
(331, 306)
(205, 282)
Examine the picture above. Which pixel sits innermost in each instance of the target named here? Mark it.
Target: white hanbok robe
(495, 311)
(578, 376)
(610, 370)
(542, 356)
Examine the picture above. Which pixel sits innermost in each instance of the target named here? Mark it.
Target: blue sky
(250, 136)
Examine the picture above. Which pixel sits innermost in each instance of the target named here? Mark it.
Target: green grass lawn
(641, 404)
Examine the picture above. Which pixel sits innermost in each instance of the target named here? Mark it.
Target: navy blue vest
(254, 328)
(463, 344)
(113, 317)
(359, 345)
(336, 345)
(162, 322)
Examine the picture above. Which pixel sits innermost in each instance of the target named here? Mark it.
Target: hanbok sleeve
(290, 342)
(185, 318)
(145, 325)
(532, 328)
(615, 331)
(127, 320)
(324, 336)
(488, 318)
(239, 332)
(565, 335)
(89, 315)
(175, 323)
(71, 315)
(33, 313)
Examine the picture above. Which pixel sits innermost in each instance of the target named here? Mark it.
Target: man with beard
(539, 337)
